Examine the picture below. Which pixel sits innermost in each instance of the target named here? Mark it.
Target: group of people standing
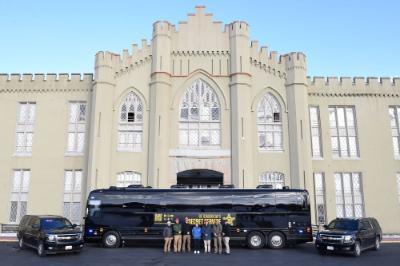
(181, 235)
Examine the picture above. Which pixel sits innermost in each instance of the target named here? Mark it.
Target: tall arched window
(269, 124)
(130, 126)
(199, 116)
(276, 179)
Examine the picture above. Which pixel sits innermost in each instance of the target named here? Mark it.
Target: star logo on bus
(229, 219)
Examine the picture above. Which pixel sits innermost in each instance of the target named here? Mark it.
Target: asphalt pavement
(152, 255)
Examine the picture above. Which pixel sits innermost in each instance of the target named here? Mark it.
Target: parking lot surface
(152, 255)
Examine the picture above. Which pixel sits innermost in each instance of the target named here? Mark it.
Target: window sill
(22, 154)
(271, 151)
(317, 158)
(73, 154)
(129, 151)
(346, 158)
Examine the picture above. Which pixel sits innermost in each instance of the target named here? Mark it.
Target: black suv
(49, 234)
(351, 235)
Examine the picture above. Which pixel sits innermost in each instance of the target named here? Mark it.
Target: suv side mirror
(325, 226)
(74, 225)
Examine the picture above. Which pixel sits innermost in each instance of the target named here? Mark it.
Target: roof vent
(227, 186)
(265, 187)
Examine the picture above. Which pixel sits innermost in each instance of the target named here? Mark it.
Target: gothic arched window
(269, 124)
(130, 127)
(199, 116)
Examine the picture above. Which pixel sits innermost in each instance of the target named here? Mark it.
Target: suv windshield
(349, 225)
(55, 223)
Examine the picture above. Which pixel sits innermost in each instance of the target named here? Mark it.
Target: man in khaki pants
(217, 232)
(167, 234)
(187, 230)
(177, 231)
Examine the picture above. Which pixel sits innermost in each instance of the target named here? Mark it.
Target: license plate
(330, 248)
(68, 247)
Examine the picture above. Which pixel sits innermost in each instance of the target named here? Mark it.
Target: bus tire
(111, 239)
(255, 240)
(276, 240)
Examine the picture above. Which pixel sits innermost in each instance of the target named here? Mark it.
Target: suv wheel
(377, 245)
(111, 239)
(255, 240)
(276, 240)
(357, 249)
(21, 243)
(40, 250)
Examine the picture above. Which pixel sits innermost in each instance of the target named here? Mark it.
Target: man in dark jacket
(186, 230)
(167, 234)
(226, 234)
(206, 230)
(177, 231)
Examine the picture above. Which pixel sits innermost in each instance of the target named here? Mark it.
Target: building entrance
(200, 178)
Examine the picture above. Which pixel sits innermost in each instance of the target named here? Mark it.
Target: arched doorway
(200, 178)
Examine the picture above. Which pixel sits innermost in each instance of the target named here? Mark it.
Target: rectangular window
(349, 195)
(394, 114)
(19, 194)
(72, 195)
(127, 178)
(76, 127)
(342, 120)
(24, 131)
(319, 190)
(315, 126)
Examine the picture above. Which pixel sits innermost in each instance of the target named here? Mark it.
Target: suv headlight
(51, 238)
(348, 239)
(80, 236)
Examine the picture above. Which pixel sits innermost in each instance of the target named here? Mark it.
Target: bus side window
(242, 203)
(288, 202)
(264, 202)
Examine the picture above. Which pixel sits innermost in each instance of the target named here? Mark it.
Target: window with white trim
(25, 125)
(19, 194)
(130, 128)
(199, 116)
(394, 114)
(128, 178)
(276, 179)
(76, 127)
(349, 195)
(269, 124)
(315, 126)
(72, 195)
(343, 130)
(398, 185)
(320, 205)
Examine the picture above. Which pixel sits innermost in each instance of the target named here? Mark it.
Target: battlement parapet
(271, 62)
(41, 77)
(239, 28)
(354, 84)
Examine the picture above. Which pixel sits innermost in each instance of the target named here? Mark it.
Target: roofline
(194, 190)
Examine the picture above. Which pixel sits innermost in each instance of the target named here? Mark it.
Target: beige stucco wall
(159, 72)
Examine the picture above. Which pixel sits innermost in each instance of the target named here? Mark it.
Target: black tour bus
(258, 217)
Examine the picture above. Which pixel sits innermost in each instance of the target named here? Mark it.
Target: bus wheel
(111, 239)
(276, 240)
(255, 240)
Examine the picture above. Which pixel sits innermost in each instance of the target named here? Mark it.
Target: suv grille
(332, 239)
(62, 239)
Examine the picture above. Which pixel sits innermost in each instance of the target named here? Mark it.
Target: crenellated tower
(240, 93)
(160, 92)
(299, 135)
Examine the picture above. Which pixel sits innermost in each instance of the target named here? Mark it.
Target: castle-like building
(200, 105)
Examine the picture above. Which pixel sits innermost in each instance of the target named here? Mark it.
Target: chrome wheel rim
(111, 240)
(358, 251)
(276, 241)
(21, 242)
(255, 241)
(377, 243)
(40, 249)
